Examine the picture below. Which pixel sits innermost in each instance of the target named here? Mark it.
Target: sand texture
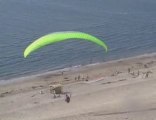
(117, 90)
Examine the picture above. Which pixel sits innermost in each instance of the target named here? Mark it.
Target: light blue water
(127, 26)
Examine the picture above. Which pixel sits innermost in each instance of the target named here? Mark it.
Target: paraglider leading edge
(62, 36)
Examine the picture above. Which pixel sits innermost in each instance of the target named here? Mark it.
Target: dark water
(127, 26)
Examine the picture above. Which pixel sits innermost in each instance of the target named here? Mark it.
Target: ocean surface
(127, 26)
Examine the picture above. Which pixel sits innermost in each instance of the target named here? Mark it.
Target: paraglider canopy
(62, 36)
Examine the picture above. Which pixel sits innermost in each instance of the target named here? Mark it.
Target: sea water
(128, 27)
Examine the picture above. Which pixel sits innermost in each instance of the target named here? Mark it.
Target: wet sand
(115, 90)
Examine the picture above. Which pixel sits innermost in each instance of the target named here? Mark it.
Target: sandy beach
(123, 89)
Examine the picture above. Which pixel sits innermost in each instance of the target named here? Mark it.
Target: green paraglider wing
(61, 36)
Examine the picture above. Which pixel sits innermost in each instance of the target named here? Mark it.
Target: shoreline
(73, 68)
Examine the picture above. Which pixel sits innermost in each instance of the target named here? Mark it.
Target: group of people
(82, 78)
(144, 74)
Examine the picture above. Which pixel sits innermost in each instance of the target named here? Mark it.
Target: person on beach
(67, 98)
(78, 78)
(87, 78)
(147, 74)
(129, 70)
